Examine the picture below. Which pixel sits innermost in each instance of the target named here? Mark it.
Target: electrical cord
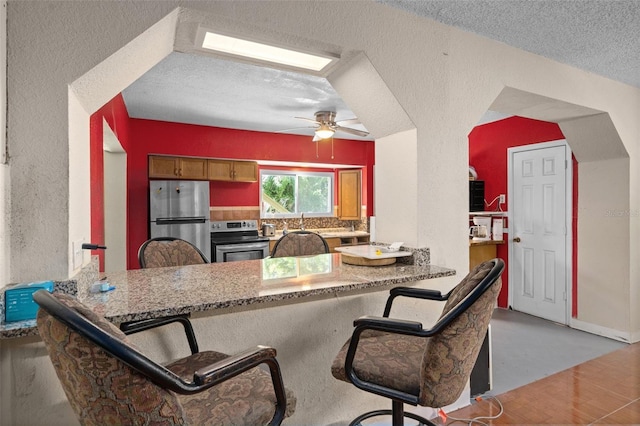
(499, 208)
(478, 419)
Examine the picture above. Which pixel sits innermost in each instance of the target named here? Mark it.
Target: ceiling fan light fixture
(264, 52)
(324, 131)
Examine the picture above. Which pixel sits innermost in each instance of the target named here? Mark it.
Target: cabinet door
(245, 171)
(163, 167)
(193, 168)
(349, 193)
(220, 170)
(333, 243)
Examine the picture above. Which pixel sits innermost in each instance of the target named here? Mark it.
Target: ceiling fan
(326, 125)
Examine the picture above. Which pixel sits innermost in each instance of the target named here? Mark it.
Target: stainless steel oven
(237, 240)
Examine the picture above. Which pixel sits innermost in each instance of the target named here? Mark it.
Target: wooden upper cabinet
(167, 167)
(245, 171)
(163, 167)
(193, 168)
(220, 170)
(236, 171)
(349, 195)
(177, 167)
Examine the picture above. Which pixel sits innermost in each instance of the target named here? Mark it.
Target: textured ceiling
(599, 36)
(186, 88)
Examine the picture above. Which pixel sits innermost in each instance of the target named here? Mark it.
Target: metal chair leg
(397, 414)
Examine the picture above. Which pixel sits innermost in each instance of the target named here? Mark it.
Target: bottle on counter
(285, 228)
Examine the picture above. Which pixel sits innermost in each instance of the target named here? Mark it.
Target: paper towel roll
(496, 233)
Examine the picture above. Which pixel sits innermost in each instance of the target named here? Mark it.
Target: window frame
(295, 173)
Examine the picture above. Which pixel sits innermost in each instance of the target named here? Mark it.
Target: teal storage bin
(18, 300)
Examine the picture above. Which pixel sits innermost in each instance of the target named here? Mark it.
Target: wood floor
(605, 390)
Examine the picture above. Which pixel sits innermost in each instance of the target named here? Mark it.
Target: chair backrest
(300, 243)
(101, 388)
(451, 354)
(169, 251)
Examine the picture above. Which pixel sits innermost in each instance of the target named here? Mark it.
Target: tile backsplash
(253, 213)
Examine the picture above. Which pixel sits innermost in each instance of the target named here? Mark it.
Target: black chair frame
(411, 328)
(132, 327)
(203, 378)
(146, 243)
(275, 246)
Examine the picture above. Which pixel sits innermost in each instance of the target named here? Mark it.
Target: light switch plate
(77, 254)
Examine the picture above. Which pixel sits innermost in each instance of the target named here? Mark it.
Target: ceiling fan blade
(307, 119)
(293, 129)
(352, 131)
(348, 122)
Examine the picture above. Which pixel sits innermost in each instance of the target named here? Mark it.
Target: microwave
(476, 195)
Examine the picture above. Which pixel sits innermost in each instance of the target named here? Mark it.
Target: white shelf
(488, 214)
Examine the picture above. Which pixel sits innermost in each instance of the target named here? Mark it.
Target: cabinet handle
(175, 171)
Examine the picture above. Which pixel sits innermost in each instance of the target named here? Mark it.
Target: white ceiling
(600, 36)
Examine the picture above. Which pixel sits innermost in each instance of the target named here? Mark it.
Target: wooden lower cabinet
(333, 243)
(482, 251)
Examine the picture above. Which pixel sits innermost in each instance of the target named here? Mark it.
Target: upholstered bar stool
(169, 251)
(108, 381)
(300, 243)
(407, 363)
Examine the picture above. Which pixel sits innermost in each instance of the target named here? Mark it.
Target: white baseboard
(621, 336)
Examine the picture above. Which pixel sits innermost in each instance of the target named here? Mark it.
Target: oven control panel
(234, 225)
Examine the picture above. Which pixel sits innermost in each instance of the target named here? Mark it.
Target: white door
(539, 211)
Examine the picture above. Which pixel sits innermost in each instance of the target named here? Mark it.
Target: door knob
(516, 240)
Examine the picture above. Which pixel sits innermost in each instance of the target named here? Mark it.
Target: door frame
(568, 175)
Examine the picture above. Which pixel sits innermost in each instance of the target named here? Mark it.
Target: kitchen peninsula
(302, 306)
(156, 292)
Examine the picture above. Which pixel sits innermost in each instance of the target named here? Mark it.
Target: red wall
(488, 145)
(115, 113)
(142, 137)
(159, 137)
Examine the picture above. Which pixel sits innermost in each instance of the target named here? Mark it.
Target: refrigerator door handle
(179, 220)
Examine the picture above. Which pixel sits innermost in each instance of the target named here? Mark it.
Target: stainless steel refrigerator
(180, 208)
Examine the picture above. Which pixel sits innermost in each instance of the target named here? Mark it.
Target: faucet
(302, 222)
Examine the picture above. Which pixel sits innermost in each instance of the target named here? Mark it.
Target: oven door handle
(243, 246)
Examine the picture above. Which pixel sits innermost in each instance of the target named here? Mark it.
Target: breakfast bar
(302, 306)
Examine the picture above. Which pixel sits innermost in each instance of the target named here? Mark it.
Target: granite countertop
(473, 243)
(157, 292)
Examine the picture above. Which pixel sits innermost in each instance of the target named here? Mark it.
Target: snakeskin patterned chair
(407, 363)
(300, 243)
(168, 251)
(157, 253)
(109, 381)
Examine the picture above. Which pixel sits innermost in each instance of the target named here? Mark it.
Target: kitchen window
(290, 193)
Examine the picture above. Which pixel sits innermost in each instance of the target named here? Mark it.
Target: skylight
(264, 52)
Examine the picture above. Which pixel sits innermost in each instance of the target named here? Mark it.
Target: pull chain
(332, 147)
